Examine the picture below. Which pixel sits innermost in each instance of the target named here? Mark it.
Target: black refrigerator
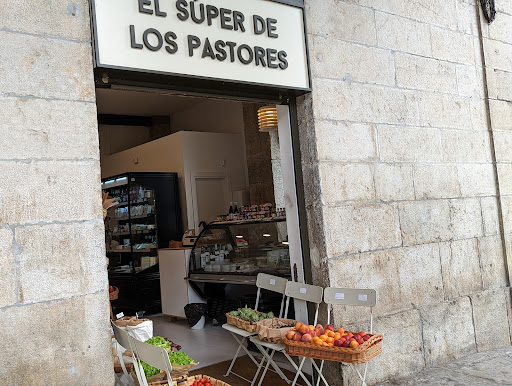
(145, 219)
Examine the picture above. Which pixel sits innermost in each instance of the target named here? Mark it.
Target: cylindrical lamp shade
(267, 119)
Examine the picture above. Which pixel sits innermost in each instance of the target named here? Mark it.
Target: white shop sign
(248, 41)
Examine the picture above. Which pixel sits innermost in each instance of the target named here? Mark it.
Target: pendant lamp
(267, 119)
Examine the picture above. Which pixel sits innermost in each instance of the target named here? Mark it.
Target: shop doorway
(221, 160)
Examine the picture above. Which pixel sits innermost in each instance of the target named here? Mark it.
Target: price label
(303, 290)
(362, 298)
(120, 315)
(272, 281)
(339, 296)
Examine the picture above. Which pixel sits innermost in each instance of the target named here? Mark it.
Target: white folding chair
(263, 281)
(348, 297)
(306, 292)
(123, 340)
(154, 356)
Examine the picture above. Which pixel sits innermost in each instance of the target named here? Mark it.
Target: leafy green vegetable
(176, 358)
(249, 315)
(180, 358)
(149, 371)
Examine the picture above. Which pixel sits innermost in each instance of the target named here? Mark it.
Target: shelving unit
(147, 216)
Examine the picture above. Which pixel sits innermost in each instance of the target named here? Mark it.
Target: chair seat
(273, 346)
(238, 331)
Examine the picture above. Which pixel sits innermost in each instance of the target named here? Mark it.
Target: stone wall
(53, 302)
(400, 173)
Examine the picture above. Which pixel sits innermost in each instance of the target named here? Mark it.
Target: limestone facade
(405, 144)
(54, 299)
(407, 173)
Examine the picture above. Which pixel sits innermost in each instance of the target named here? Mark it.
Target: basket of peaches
(327, 343)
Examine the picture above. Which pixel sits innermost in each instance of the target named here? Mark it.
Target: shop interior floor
(207, 346)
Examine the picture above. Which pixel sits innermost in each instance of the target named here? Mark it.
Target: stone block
(491, 319)
(490, 216)
(500, 85)
(60, 261)
(408, 144)
(425, 74)
(466, 218)
(461, 268)
(505, 178)
(448, 331)
(325, 17)
(476, 179)
(502, 146)
(498, 55)
(336, 59)
(500, 28)
(445, 111)
(46, 68)
(313, 194)
(343, 141)
(394, 182)
(60, 18)
(492, 261)
(346, 101)
(359, 228)
(470, 81)
(452, 46)
(7, 270)
(467, 17)
(307, 130)
(395, 359)
(402, 34)
(436, 181)
(425, 221)
(70, 343)
(346, 182)
(505, 7)
(48, 191)
(466, 146)
(40, 128)
(506, 212)
(479, 119)
(501, 114)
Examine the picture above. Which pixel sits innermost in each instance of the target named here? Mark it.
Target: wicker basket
(213, 381)
(361, 354)
(244, 325)
(114, 294)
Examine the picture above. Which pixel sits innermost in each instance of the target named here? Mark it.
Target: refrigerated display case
(146, 218)
(234, 252)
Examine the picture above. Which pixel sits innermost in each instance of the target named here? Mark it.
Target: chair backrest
(122, 336)
(350, 297)
(154, 356)
(307, 292)
(271, 283)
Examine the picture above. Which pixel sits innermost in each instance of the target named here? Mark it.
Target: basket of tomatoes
(203, 380)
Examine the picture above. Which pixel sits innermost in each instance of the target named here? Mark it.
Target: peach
(297, 337)
(337, 336)
(346, 344)
(311, 327)
(297, 326)
(354, 344)
(360, 341)
(341, 331)
(290, 334)
(319, 331)
(324, 337)
(361, 333)
(330, 340)
(303, 329)
(366, 337)
(306, 338)
(338, 343)
(329, 327)
(312, 333)
(330, 334)
(319, 326)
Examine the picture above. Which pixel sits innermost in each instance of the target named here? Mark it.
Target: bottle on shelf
(230, 213)
(236, 213)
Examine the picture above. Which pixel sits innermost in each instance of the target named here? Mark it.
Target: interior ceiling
(140, 103)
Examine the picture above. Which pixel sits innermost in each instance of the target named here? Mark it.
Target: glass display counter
(236, 251)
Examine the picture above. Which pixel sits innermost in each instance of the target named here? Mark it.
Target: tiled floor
(207, 346)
